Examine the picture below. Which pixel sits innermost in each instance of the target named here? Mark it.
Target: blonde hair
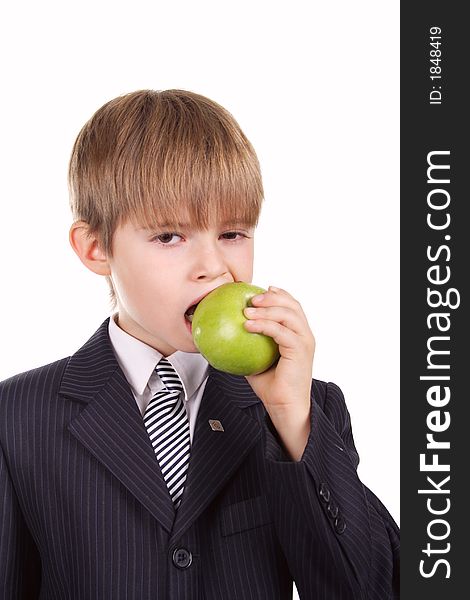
(151, 156)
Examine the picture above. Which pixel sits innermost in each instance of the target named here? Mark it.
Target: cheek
(134, 276)
(245, 265)
(132, 272)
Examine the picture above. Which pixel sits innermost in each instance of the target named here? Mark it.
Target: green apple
(220, 336)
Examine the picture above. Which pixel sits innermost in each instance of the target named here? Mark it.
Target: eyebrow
(190, 225)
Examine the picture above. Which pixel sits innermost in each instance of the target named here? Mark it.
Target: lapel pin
(216, 425)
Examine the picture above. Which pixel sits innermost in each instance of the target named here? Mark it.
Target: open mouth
(190, 312)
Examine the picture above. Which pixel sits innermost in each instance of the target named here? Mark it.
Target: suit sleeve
(20, 567)
(338, 538)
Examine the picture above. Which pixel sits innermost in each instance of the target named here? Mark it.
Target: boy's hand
(284, 388)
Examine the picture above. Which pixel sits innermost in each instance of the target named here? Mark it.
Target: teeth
(189, 318)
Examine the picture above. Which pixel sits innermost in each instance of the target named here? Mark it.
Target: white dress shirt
(138, 361)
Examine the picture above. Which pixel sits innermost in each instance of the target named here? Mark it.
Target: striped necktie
(167, 424)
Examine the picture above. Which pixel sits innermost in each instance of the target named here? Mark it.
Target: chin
(191, 347)
(187, 346)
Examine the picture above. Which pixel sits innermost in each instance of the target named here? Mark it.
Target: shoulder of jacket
(45, 375)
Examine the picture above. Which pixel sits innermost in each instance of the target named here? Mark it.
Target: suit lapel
(215, 454)
(111, 426)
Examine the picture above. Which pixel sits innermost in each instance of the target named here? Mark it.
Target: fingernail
(250, 311)
(274, 289)
(258, 298)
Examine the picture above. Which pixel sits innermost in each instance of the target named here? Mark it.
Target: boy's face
(159, 274)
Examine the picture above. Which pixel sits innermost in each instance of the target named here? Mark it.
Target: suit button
(332, 509)
(182, 558)
(324, 492)
(340, 524)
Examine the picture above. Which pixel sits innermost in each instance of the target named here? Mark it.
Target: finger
(274, 298)
(283, 336)
(282, 293)
(278, 290)
(283, 315)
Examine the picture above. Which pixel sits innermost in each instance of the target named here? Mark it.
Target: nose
(209, 262)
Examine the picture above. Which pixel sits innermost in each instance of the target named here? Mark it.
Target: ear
(87, 249)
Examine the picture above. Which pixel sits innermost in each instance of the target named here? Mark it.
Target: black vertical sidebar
(435, 270)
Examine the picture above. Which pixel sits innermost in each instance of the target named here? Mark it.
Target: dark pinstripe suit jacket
(85, 513)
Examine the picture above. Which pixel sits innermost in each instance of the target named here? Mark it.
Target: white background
(314, 86)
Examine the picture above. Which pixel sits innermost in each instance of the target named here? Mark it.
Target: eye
(165, 238)
(235, 234)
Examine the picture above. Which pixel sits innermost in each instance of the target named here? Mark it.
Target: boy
(133, 469)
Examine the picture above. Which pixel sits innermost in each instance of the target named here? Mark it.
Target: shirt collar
(138, 361)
